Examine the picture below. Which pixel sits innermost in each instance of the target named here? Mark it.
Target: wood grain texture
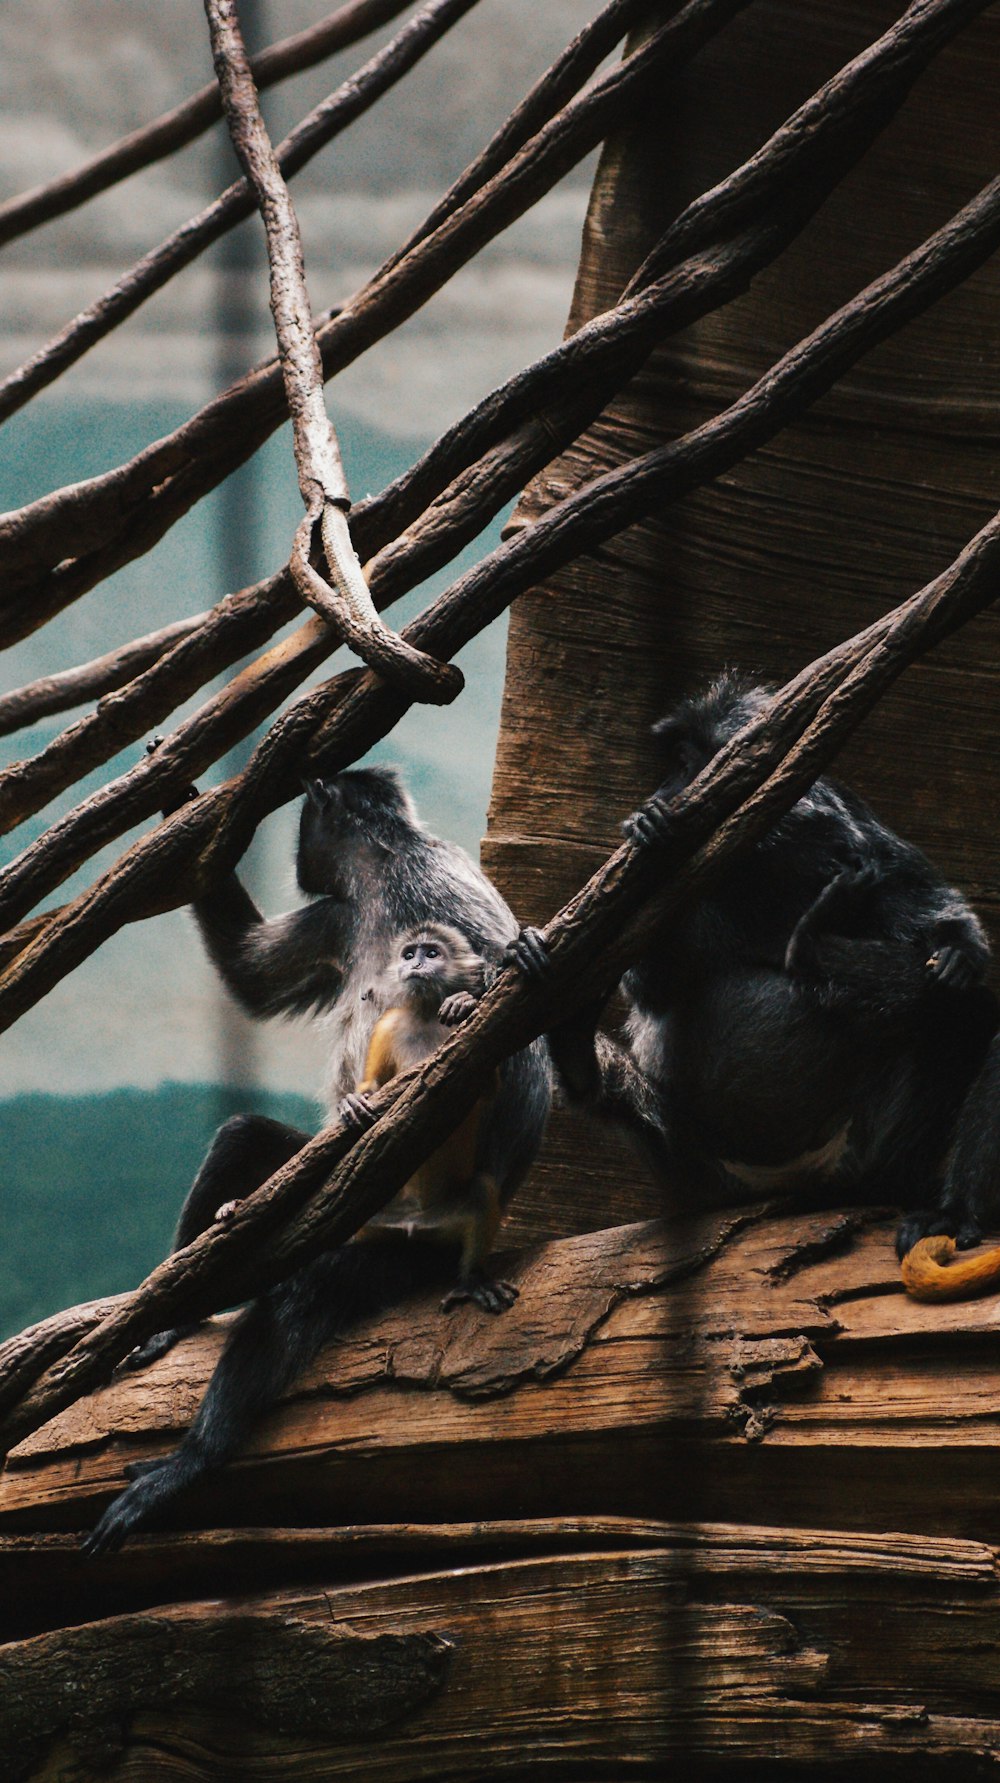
(465, 1547)
(815, 535)
(711, 1644)
(685, 1369)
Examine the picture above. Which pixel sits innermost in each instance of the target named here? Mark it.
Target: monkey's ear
(669, 731)
(321, 793)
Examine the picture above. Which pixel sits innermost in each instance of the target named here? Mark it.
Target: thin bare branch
(53, 550)
(163, 776)
(344, 602)
(550, 93)
(240, 623)
(51, 694)
(582, 520)
(141, 148)
(319, 127)
(559, 395)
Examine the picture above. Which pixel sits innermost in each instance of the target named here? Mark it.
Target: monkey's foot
(132, 1508)
(226, 1211)
(155, 1347)
(651, 825)
(528, 953)
(488, 1295)
(931, 1222)
(456, 1008)
(355, 1111)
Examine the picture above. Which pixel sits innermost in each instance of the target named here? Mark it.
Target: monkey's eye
(408, 953)
(432, 953)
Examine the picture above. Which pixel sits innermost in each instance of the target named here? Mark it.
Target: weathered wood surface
(668, 1369)
(447, 1552)
(815, 535)
(726, 1646)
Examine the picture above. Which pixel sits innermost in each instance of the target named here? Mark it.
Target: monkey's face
(690, 735)
(425, 971)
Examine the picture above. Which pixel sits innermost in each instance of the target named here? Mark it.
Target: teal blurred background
(110, 1089)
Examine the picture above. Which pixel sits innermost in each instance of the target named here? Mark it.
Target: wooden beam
(682, 1369)
(712, 1644)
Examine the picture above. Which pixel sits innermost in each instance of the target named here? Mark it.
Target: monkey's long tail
(270, 1344)
(930, 1272)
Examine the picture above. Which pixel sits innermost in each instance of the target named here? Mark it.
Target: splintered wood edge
(772, 1295)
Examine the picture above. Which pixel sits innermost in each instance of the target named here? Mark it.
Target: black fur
(371, 871)
(814, 1022)
(272, 1341)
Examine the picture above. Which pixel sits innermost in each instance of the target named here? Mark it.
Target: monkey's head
(367, 809)
(689, 736)
(432, 962)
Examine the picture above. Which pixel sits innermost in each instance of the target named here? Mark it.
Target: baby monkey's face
(425, 969)
(423, 959)
(432, 963)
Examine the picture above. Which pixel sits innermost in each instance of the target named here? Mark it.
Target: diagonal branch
(348, 102)
(54, 549)
(142, 148)
(550, 93)
(347, 604)
(581, 521)
(751, 782)
(52, 694)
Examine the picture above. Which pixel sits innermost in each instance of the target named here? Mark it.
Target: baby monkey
(433, 981)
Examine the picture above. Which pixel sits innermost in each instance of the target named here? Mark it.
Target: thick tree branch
(573, 382)
(584, 519)
(748, 785)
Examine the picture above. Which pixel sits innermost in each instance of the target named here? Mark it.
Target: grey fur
(371, 871)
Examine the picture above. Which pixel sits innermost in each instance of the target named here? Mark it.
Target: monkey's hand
(488, 1295)
(651, 825)
(528, 954)
(226, 1211)
(959, 954)
(456, 1008)
(832, 913)
(155, 1347)
(356, 1112)
(153, 1483)
(933, 1222)
(952, 967)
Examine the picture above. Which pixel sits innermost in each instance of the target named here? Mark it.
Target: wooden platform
(470, 1547)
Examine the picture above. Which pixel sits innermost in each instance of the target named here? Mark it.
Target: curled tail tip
(930, 1272)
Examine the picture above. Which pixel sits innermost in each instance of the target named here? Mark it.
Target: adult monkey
(371, 871)
(814, 1022)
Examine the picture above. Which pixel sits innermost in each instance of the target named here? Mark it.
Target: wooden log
(813, 536)
(470, 1547)
(716, 1644)
(667, 1369)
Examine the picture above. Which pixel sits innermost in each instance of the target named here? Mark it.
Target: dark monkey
(451, 1200)
(371, 871)
(815, 1021)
